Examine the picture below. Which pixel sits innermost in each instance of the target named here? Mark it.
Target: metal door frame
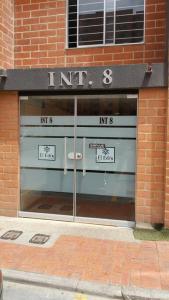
(74, 217)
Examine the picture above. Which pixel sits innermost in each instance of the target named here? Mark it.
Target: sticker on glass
(106, 155)
(47, 152)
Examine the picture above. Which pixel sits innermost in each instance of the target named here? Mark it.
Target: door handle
(84, 156)
(76, 156)
(65, 156)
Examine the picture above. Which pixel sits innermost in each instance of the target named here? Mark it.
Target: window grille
(100, 22)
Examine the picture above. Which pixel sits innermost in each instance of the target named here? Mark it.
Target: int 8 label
(107, 76)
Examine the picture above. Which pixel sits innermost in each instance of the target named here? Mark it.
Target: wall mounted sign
(106, 155)
(67, 79)
(47, 152)
(131, 76)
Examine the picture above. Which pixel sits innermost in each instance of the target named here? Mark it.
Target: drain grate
(45, 206)
(39, 239)
(11, 235)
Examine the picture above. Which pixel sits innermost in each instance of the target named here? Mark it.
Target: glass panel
(47, 138)
(91, 20)
(72, 23)
(96, 22)
(109, 22)
(106, 138)
(113, 105)
(129, 21)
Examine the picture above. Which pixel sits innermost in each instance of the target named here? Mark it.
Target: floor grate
(11, 235)
(39, 239)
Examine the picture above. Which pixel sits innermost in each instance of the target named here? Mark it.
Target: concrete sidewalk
(89, 255)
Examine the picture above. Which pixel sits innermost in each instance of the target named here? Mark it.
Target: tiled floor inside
(92, 206)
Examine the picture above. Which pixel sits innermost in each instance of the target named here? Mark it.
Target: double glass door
(78, 157)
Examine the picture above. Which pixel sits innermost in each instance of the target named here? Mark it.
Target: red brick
(40, 41)
(151, 153)
(51, 14)
(9, 191)
(6, 34)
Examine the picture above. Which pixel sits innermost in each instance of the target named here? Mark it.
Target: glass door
(105, 178)
(47, 157)
(78, 157)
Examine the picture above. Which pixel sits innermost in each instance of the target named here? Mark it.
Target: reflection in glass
(91, 22)
(105, 22)
(129, 21)
(109, 22)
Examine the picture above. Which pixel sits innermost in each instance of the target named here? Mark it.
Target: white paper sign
(106, 155)
(47, 152)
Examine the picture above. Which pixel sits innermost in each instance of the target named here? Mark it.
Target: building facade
(84, 110)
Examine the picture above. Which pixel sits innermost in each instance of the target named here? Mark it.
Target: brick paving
(144, 264)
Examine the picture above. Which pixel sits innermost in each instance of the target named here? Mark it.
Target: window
(99, 22)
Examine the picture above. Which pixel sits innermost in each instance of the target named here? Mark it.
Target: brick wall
(150, 181)
(6, 34)
(151, 145)
(9, 153)
(166, 216)
(40, 34)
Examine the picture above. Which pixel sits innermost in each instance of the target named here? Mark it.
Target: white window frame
(103, 44)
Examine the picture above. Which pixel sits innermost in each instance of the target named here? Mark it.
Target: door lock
(77, 155)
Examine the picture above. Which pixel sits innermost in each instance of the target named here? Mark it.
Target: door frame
(74, 217)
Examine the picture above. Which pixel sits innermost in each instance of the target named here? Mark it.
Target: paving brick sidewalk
(143, 264)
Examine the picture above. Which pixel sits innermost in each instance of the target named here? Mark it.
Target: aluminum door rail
(65, 156)
(84, 156)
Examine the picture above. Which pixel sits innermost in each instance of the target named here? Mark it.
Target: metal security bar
(105, 22)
